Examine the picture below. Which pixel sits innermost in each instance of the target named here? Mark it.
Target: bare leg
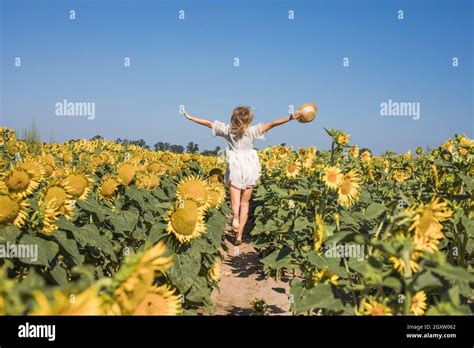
(244, 211)
(235, 204)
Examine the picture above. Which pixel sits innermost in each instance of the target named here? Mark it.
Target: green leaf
(59, 274)
(453, 273)
(321, 296)
(70, 245)
(89, 235)
(9, 234)
(374, 210)
(199, 292)
(278, 258)
(426, 279)
(338, 236)
(156, 233)
(185, 269)
(42, 251)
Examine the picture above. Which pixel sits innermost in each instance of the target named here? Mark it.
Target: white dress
(243, 165)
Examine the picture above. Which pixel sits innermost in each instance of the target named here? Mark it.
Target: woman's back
(237, 142)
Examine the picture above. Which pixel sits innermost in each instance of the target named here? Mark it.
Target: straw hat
(308, 112)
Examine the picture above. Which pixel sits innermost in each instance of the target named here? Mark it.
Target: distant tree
(192, 148)
(97, 137)
(211, 152)
(176, 148)
(159, 146)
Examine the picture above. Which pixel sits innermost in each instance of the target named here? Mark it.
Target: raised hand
(188, 116)
(296, 115)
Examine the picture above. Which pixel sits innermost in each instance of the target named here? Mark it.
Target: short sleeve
(220, 129)
(256, 132)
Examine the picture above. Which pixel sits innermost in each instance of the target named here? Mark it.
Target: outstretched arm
(267, 126)
(198, 120)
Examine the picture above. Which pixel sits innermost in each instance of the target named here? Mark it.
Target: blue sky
(282, 62)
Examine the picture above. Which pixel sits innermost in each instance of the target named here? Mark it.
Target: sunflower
(48, 159)
(426, 224)
(54, 202)
(87, 302)
(348, 191)
(148, 180)
(78, 185)
(318, 234)
(400, 265)
(354, 151)
(418, 303)
(135, 279)
(292, 170)
(366, 157)
(216, 175)
(67, 157)
(108, 188)
(270, 165)
(374, 307)
(126, 173)
(399, 176)
(48, 170)
(216, 195)
(325, 276)
(33, 168)
(193, 188)
(342, 139)
(332, 177)
(186, 221)
(154, 168)
(159, 300)
(12, 211)
(215, 272)
(307, 161)
(19, 183)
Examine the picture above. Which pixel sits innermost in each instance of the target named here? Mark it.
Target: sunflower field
(359, 234)
(119, 230)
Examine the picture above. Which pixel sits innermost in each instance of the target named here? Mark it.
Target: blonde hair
(242, 117)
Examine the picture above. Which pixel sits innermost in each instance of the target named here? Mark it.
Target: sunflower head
(426, 224)
(12, 211)
(418, 303)
(215, 272)
(216, 195)
(154, 168)
(186, 221)
(193, 188)
(373, 307)
(78, 185)
(126, 173)
(19, 183)
(159, 300)
(292, 170)
(332, 177)
(348, 192)
(108, 188)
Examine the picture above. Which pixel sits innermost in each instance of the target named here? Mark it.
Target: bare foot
(238, 238)
(235, 225)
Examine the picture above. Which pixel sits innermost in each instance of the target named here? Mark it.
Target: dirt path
(242, 281)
